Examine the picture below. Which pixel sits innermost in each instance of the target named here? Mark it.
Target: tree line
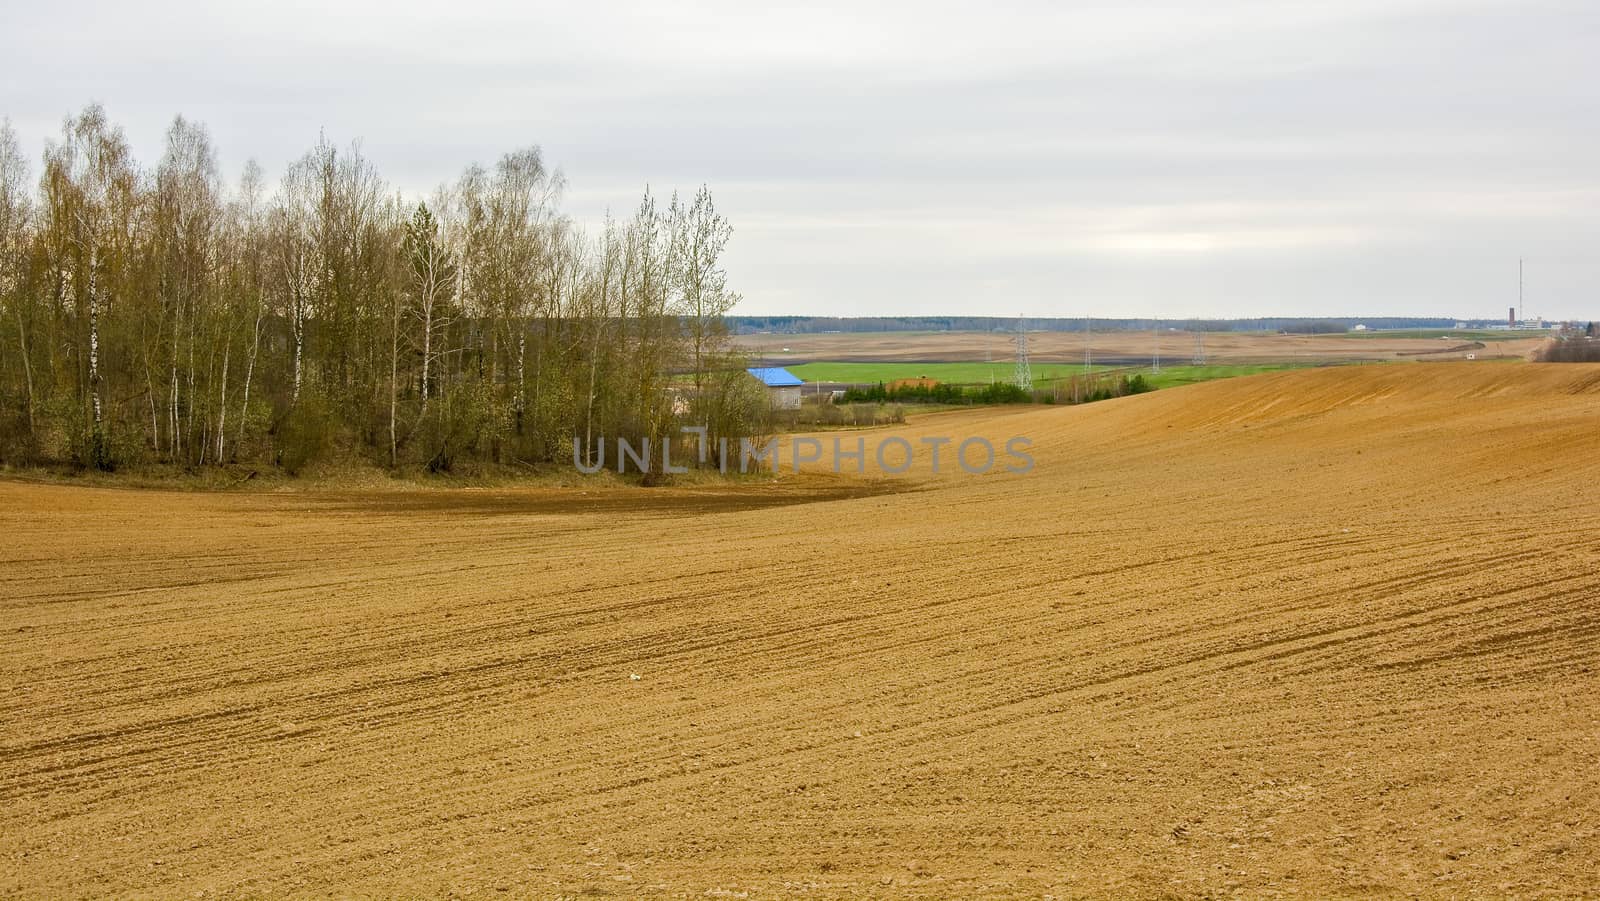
(166, 316)
(1577, 347)
(1075, 389)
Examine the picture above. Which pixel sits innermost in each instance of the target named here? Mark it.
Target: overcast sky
(1228, 158)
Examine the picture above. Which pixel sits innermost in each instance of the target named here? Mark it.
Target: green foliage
(1052, 383)
(1002, 393)
(997, 393)
(17, 440)
(1171, 376)
(731, 404)
(303, 434)
(462, 424)
(1097, 385)
(326, 317)
(92, 448)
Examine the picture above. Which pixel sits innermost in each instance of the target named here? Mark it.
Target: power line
(1024, 373)
(1088, 353)
(1155, 362)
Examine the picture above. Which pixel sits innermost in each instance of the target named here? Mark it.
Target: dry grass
(1326, 632)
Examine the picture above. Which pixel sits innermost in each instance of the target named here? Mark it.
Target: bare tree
(601, 307)
(96, 181)
(161, 315)
(295, 259)
(701, 236)
(15, 215)
(520, 205)
(188, 216)
(433, 283)
(648, 275)
(249, 291)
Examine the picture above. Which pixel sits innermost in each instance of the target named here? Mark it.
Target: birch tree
(170, 315)
(188, 217)
(95, 177)
(433, 283)
(247, 294)
(294, 263)
(704, 299)
(15, 214)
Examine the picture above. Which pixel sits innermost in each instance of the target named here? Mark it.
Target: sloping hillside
(1326, 632)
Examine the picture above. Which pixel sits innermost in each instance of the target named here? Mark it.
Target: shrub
(462, 421)
(103, 449)
(1569, 350)
(997, 393)
(302, 434)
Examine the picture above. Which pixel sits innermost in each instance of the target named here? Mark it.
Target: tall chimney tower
(1511, 317)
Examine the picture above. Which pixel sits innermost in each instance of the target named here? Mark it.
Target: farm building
(783, 386)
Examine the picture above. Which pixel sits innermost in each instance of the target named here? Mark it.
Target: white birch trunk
(94, 340)
(249, 374)
(222, 400)
(394, 377)
(27, 365)
(299, 348)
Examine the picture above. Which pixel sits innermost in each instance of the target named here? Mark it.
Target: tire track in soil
(429, 697)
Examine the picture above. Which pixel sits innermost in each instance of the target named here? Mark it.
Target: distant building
(1359, 328)
(783, 386)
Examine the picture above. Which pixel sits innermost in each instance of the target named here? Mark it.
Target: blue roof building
(783, 386)
(776, 377)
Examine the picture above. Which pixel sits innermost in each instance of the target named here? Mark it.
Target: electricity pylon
(1024, 374)
(1088, 351)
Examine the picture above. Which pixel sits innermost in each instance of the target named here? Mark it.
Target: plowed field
(1312, 633)
(1123, 348)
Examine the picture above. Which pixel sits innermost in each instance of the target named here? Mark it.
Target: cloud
(1233, 158)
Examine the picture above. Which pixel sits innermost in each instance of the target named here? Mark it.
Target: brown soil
(1316, 633)
(1067, 347)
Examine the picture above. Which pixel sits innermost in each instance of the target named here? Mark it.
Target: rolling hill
(1324, 632)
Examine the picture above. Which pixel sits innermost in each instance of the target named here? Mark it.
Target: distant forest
(164, 314)
(805, 325)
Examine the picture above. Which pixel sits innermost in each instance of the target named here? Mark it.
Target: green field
(984, 373)
(1171, 376)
